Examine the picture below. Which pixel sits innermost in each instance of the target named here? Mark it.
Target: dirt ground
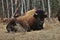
(51, 31)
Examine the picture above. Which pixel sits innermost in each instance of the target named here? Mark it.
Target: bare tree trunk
(17, 9)
(7, 8)
(22, 8)
(59, 2)
(3, 8)
(28, 7)
(12, 8)
(49, 8)
(34, 3)
(15, 4)
(43, 5)
(24, 5)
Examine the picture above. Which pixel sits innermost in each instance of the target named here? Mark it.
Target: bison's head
(40, 15)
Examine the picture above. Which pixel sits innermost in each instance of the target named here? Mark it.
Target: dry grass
(51, 31)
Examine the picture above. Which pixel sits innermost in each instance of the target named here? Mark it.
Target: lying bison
(32, 20)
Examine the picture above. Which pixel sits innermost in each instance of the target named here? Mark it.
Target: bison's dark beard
(37, 26)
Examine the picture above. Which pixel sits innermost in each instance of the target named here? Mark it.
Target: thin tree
(3, 8)
(22, 8)
(15, 4)
(24, 5)
(12, 8)
(59, 2)
(49, 8)
(43, 5)
(7, 8)
(28, 4)
(17, 9)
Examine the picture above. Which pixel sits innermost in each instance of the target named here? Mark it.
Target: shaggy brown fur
(28, 20)
(32, 19)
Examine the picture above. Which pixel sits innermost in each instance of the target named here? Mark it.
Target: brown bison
(32, 20)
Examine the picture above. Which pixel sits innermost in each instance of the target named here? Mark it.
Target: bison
(32, 20)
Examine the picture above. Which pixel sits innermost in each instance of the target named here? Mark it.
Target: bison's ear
(35, 15)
